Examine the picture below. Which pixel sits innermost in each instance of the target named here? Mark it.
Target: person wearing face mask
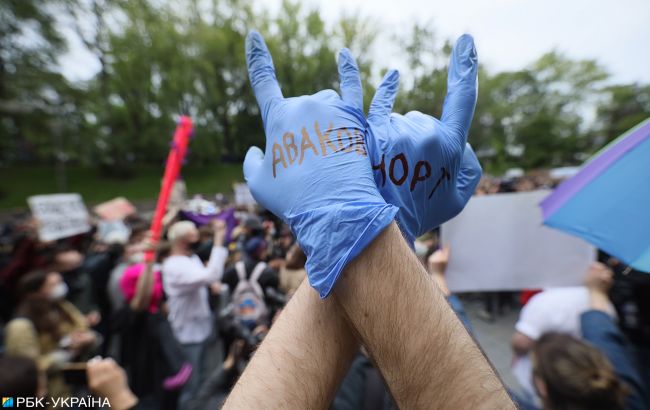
(186, 281)
(49, 329)
(69, 263)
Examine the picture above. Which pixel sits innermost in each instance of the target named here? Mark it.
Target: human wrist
(333, 236)
(598, 300)
(388, 271)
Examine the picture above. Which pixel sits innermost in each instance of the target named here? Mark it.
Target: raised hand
(421, 164)
(315, 173)
(437, 262)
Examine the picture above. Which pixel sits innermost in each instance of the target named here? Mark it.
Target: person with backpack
(185, 281)
(248, 281)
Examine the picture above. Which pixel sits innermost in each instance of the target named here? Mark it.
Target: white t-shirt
(185, 279)
(555, 310)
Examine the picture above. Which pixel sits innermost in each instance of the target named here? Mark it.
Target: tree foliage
(158, 59)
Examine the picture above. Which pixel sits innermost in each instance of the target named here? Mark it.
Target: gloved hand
(421, 164)
(315, 173)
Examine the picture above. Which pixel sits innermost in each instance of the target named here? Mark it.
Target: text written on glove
(332, 140)
(398, 172)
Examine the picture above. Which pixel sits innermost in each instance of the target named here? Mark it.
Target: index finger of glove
(261, 72)
(462, 89)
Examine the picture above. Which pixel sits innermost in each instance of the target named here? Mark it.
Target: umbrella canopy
(607, 203)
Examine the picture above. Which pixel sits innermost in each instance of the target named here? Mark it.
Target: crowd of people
(219, 311)
(179, 332)
(181, 327)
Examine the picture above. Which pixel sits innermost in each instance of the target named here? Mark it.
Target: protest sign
(59, 215)
(498, 242)
(115, 209)
(243, 194)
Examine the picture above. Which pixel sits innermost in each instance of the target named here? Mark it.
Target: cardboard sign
(115, 209)
(243, 195)
(498, 242)
(59, 215)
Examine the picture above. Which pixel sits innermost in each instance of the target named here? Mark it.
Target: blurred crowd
(90, 315)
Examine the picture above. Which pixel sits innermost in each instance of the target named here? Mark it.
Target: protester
(569, 373)
(154, 360)
(185, 280)
(254, 253)
(630, 295)
(129, 282)
(377, 333)
(68, 261)
(553, 310)
(48, 329)
(597, 373)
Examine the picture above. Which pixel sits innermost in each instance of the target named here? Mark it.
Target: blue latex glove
(421, 164)
(315, 173)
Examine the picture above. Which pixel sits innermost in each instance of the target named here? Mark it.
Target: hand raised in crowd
(107, 379)
(219, 227)
(437, 265)
(93, 318)
(421, 164)
(438, 260)
(79, 340)
(599, 280)
(314, 173)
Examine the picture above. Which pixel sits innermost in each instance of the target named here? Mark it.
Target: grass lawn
(20, 182)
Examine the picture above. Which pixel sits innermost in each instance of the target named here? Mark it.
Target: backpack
(248, 297)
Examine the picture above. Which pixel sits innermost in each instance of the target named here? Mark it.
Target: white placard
(498, 242)
(59, 215)
(243, 195)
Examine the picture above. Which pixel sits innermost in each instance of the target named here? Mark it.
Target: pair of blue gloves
(338, 179)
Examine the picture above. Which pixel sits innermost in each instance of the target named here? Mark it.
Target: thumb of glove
(253, 163)
(469, 174)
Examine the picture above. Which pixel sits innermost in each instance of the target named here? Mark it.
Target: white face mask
(59, 292)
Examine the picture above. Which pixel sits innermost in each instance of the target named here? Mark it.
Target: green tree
(159, 59)
(624, 106)
(36, 104)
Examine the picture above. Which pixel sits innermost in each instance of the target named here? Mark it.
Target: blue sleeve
(599, 329)
(457, 306)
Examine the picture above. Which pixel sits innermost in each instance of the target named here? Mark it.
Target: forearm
(421, 348)
(301, 361)
(216, 263)
(598, 300)
(187, 274)
(599, 329)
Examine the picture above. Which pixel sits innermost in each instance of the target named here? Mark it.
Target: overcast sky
(509, 34)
